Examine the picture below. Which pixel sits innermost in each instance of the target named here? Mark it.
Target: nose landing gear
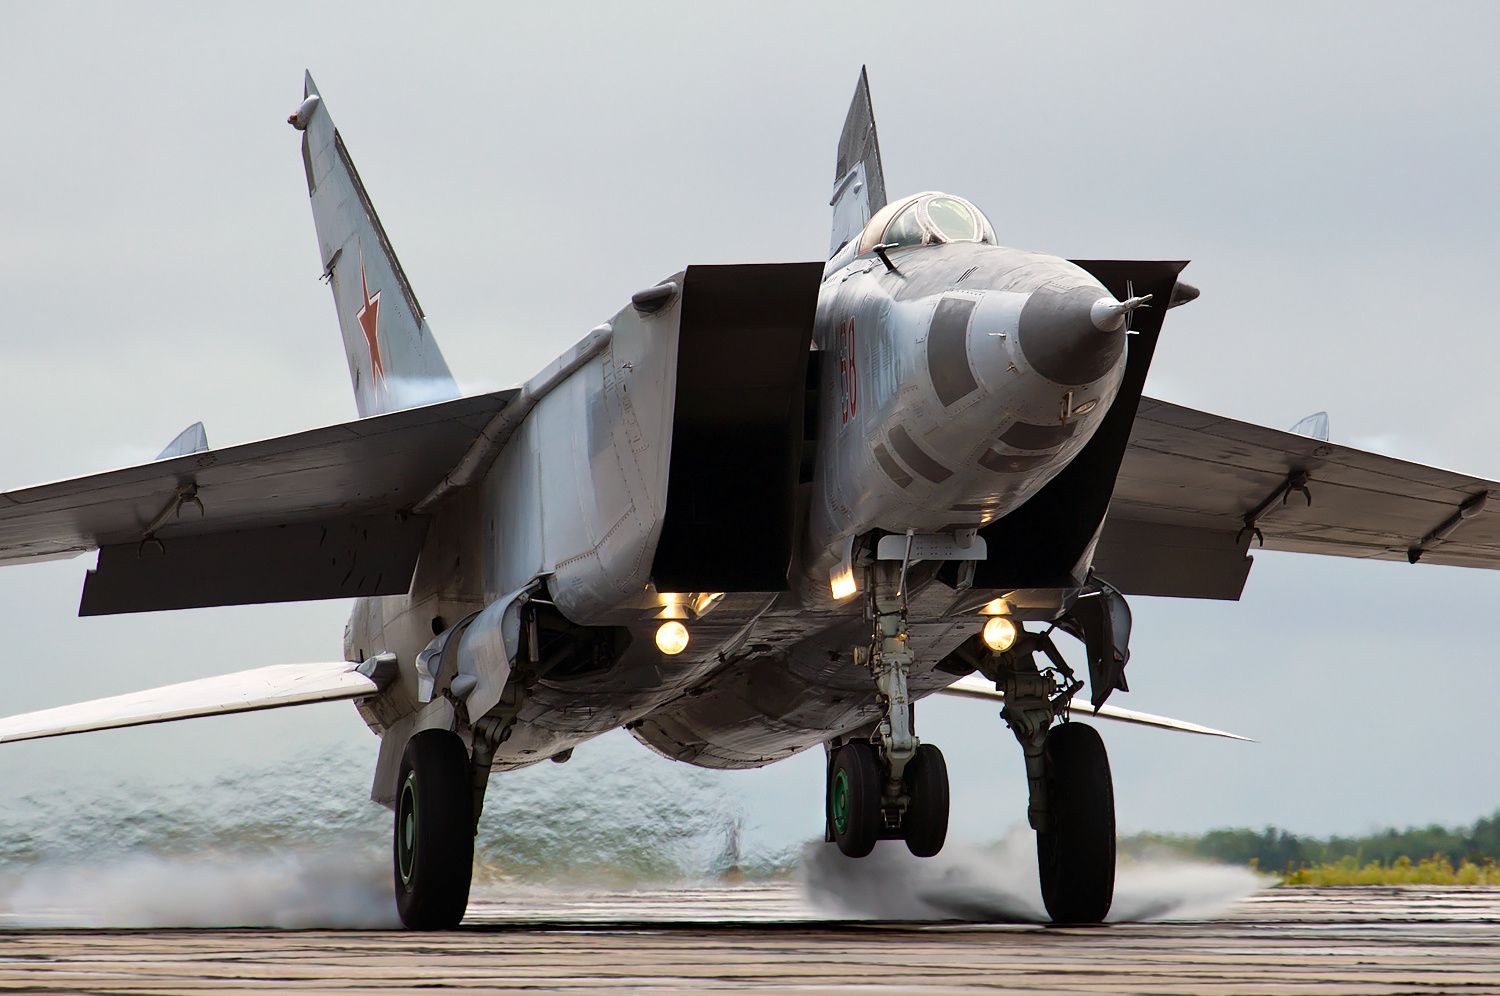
(889, 786)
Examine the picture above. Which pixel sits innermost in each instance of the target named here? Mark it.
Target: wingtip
(309, 88)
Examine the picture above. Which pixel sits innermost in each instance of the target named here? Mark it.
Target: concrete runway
(762, 939)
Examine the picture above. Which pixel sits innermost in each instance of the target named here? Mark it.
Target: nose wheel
(855, 821)
(925, 825)
(860, 812)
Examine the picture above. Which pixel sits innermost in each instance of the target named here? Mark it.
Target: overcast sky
(1328, 168)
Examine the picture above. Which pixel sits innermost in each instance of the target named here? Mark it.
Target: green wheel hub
(838, 800)
(407, 839)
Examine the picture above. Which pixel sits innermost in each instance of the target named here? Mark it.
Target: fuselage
(957, 378)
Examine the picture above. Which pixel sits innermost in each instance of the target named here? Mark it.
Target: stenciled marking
(848, 372)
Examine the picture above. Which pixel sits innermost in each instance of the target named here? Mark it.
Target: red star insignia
(369, 320)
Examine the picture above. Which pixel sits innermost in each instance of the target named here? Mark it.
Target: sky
(1328, 169)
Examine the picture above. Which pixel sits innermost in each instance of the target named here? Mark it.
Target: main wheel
(854, 798)
(1076, 854)
(926, 823)
(434, 839)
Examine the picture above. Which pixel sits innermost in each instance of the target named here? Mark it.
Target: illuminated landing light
(999, 634)
(841, 583)
(995, 607)
(671, 638)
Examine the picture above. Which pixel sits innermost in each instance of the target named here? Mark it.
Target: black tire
(854, 798)
(926, 823)
(1076, 855)
(433, 845)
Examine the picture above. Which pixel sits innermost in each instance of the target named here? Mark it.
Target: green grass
(1464, 855)
(1436, 870)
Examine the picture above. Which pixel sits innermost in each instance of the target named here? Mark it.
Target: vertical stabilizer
(393, 359)
(858, 179)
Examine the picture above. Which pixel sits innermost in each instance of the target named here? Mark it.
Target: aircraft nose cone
(1060, 336)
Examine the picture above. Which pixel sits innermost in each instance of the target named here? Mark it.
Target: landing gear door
(1102, 619)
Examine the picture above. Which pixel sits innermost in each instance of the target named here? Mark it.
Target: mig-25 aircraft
(763, 508)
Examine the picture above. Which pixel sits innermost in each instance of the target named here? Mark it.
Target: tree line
(1278, 850)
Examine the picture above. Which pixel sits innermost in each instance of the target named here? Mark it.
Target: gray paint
(393, 361)
(1060, 341)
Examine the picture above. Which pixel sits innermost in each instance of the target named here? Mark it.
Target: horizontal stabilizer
(975, 687)
(244, 691)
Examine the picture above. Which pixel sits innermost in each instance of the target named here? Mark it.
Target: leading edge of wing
(975, 687)
(273, 687)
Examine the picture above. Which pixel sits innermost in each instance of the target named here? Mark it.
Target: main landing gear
(434, 831)
(1072, 805)
(889, 786)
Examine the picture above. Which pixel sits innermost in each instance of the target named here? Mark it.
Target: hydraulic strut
(1035, 698)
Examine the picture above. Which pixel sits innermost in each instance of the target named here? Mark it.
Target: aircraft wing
(1197, 492)
(317, 514)
(245, 691)
(975, 687)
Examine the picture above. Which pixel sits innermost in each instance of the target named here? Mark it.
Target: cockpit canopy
(925, 219)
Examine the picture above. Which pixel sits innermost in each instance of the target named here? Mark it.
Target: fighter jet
(761, 509)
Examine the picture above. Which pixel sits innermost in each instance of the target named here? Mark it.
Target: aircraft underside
(788, 683)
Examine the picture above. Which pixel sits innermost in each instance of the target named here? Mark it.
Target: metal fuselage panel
(933, 415)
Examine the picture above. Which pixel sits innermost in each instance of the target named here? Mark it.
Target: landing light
(671, 638)
(999, 634)
(841, 582)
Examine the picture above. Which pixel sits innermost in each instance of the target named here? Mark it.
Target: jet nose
(1073, 335)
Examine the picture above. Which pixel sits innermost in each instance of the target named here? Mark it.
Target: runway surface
(764, 939)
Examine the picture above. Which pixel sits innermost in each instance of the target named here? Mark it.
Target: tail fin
(858, 179)
(393, 359)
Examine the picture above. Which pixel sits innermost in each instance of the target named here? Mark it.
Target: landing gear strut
(1072, 805)
(889, 786)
